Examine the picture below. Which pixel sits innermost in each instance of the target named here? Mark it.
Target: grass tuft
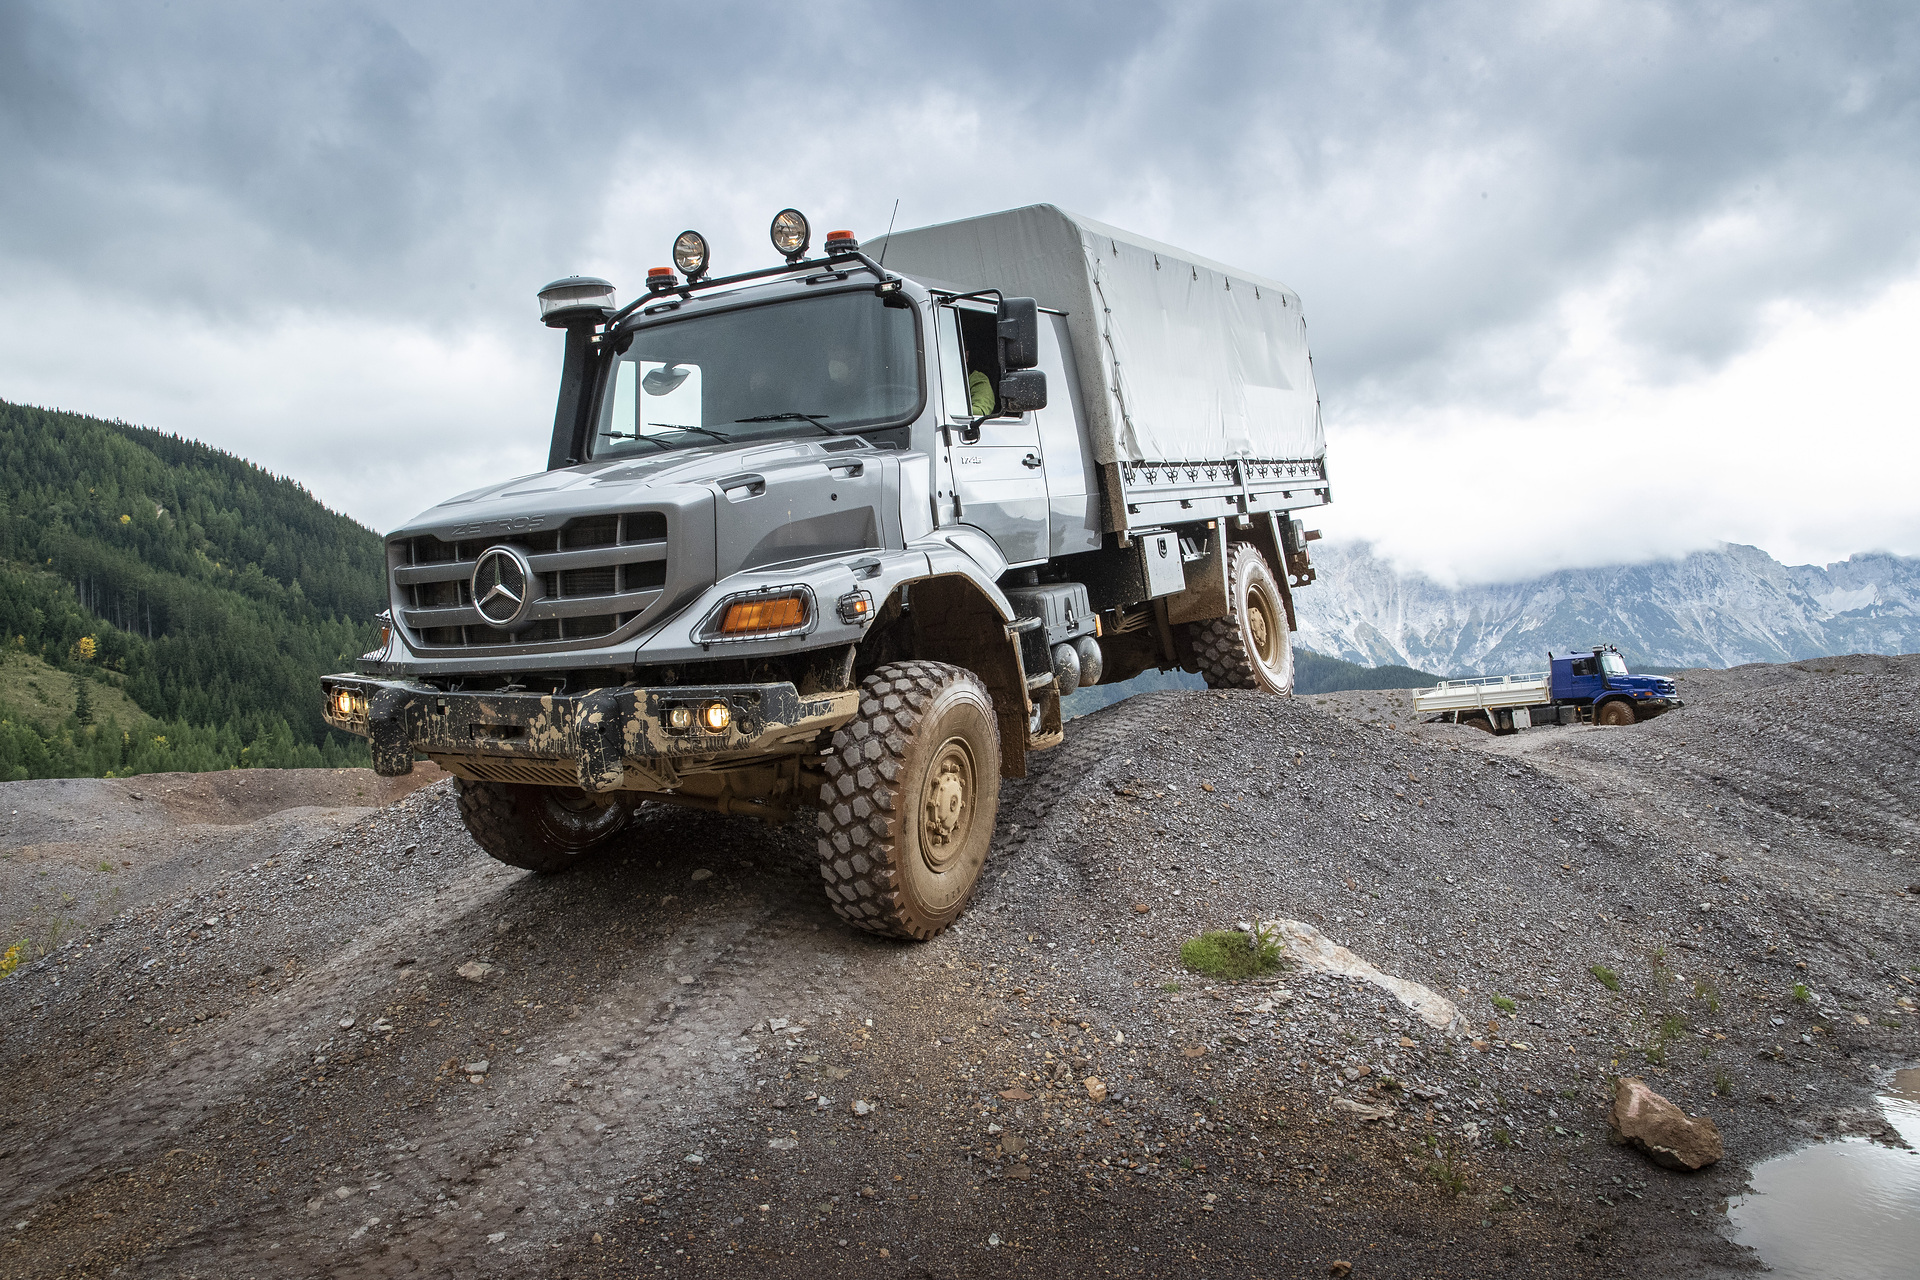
(1605, 977)
(1801, 993)
(1503, 1003)
(1230, 955)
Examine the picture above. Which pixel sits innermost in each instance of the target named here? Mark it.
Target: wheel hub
(1257, 631)
(946, 810)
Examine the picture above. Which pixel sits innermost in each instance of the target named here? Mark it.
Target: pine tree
(82, 700)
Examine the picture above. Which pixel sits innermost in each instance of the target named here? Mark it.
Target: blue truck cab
(1599, 684)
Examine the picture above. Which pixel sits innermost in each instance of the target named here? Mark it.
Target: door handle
(1031, 460)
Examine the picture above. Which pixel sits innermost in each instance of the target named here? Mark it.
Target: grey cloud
(389, 162)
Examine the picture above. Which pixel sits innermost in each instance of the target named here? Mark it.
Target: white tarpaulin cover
(1180, 359)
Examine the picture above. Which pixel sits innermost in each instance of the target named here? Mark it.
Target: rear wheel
(1251, 647)
(1617, 712)
(913, 787)
(539, 828)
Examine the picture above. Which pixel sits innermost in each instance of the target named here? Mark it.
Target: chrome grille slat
(408, 575)
(565, 607)
(599, 557)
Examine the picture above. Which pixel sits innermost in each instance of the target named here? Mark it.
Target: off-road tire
(538, 828)
(1251, 647)
(913, 787)
(1618, 713)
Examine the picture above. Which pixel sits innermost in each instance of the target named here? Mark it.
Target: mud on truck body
(839, 535)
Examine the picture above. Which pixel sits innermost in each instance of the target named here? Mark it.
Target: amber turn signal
(755, 617)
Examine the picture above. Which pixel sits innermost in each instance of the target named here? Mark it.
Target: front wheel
(1618, 712)
(1251, 647)
(913, 787)
(539, 828)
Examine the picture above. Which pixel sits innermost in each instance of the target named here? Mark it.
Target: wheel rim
(947, 806)
(1265, 628)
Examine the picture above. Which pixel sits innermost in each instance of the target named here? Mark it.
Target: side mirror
(1022, 391)
(1019, 322)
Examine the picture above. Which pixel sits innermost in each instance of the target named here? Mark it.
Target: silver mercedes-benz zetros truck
(841, 533)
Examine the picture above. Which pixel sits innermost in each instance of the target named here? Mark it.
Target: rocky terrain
(305, 1033)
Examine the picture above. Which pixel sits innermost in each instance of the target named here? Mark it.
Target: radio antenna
(889, 239)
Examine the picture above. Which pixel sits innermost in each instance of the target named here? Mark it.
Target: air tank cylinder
(1091, 663)
(1066, 668)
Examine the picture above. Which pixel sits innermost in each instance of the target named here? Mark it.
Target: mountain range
(1715, 608)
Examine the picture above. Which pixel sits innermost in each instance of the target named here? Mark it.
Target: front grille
(596, 574)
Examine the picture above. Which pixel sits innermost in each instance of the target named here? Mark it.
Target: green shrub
(1503, 1003)
(1231, 955)
(1605, 977)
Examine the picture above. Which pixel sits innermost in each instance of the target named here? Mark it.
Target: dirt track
(261, 1058)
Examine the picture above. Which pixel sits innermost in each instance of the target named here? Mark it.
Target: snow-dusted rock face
(1715, 608)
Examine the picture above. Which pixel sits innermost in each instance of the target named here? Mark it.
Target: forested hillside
(213, 593)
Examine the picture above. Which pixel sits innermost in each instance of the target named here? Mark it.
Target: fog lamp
(345, 703)
(660, 279)
(680, 718)
(716, 716)
(752, 617)
(690, 254)
(575, 298)
(790, 233)
(839, 242)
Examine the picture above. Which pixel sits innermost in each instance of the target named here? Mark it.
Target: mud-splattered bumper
(598, 732)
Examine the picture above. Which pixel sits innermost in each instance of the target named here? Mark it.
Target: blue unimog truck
(1594, 687)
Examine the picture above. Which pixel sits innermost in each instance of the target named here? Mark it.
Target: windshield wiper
(675, 426)
(811, 419)
(665, 426)
(633, 435)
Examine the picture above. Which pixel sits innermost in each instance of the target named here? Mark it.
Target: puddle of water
(1840, 1208)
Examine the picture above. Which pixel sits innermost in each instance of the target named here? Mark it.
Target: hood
(546, 499)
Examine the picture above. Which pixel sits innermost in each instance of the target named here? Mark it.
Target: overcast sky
(1585, 282)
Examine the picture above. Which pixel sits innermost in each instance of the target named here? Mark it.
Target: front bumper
(611, 738)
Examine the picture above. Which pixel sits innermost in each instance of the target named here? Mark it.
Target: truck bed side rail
(1484, 693)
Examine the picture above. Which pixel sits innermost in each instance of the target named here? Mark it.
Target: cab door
(998, 483)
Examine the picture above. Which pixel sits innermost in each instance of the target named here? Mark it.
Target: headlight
(690, 254)
(790, 233)
(759, 615)
(716, 716)
(346, 703)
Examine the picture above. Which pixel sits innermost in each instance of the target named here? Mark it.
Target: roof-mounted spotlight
(790, 233)
(661, 279)
(690, 254)
(576, 299)
(841, 242)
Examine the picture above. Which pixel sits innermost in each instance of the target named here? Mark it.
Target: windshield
(821, 365)
(1612, 664)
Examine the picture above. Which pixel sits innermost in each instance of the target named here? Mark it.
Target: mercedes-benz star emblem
(503, 584)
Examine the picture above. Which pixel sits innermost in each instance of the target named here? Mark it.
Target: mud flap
(387, 733)
(601, 764)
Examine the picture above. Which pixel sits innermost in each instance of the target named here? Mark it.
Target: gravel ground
(290, 1036)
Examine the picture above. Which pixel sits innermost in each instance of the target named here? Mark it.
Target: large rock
(1644, 1119)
